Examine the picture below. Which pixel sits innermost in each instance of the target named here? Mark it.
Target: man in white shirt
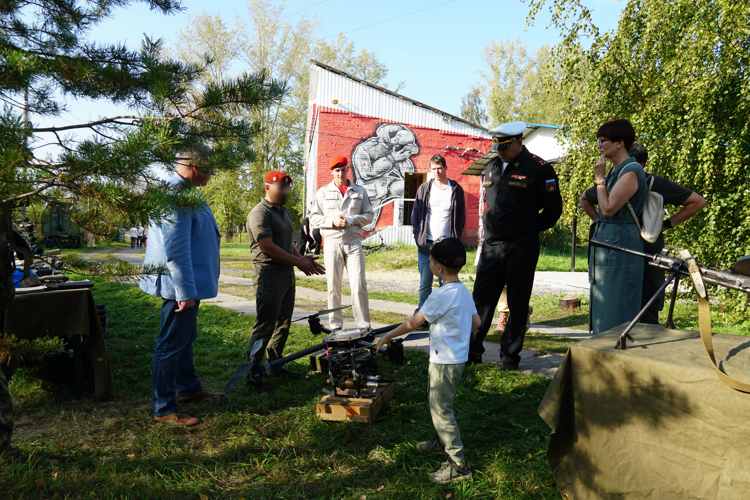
(133, 235)
(439, 211)
(341, 209)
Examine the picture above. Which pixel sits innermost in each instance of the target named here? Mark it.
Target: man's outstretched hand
(308, 265)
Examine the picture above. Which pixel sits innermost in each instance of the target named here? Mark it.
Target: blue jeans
(173, 357)
(425, 278)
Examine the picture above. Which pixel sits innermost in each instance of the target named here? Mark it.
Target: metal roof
(477, 168)
(355, 95)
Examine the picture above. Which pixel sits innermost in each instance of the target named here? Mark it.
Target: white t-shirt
(439, 212)
(133, 232)
(449, 310)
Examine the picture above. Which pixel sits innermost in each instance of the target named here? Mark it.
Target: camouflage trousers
(6, 412)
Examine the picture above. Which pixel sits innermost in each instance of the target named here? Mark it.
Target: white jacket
(330, 205)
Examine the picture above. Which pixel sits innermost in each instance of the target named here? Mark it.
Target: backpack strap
(630, 206)
(635, 219)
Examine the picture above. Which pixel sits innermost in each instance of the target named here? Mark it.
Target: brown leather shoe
(178, 418)
(198, 396)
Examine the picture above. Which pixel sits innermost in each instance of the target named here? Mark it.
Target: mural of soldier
(379, 163)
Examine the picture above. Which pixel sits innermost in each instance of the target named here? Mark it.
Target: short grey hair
(199, 150)
(639, 152)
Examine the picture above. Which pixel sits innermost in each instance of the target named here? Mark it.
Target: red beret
(338, 161)
(277, 176)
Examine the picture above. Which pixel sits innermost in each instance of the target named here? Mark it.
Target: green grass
(262, 446)
(554, 260)
(236, 255)
(320, 286)
(393, 260)
(406, 259)
(235, 249)
(544, 343)
(547, 312)
(100, 245)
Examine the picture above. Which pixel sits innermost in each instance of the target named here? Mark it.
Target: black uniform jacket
(524, 199)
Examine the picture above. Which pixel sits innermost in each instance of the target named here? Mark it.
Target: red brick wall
(339, 133)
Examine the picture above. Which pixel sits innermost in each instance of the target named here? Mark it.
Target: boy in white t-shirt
(452, 316)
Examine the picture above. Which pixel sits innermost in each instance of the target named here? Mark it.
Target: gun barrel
(726, 279)
(611, 246)
(713, 276)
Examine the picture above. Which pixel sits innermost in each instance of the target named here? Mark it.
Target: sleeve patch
(551, 184)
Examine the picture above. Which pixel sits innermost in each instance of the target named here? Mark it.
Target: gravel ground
(545, 282)
(381, 281)
(233, 271)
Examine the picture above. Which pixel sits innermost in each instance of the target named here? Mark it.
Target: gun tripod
(625, 336)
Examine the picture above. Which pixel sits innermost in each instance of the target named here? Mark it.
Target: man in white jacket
(341, 209)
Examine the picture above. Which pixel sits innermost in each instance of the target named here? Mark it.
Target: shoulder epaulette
(539, 160)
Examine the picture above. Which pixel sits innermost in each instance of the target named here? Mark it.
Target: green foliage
(262, 40)
(679, 71)
(106, 168)
(556, 238)
(14, 349)
(517, 86)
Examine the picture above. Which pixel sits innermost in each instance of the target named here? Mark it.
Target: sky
(437, 52)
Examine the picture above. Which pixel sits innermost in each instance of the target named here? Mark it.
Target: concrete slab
(133, 256)
(560, 283)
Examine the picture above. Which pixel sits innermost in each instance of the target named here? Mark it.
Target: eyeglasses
(601, 142)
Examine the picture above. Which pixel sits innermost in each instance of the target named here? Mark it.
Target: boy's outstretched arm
(407, 326)
(476, 322)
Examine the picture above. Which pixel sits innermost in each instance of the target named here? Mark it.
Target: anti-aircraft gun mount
(738, 278)
(348, 357)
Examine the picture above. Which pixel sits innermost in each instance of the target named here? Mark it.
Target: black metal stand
(621, 341)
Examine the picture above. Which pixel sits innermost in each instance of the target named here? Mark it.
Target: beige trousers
(502, 304)
(336, 257)
(442, 385)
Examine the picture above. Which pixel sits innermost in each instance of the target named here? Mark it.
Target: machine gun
(349, 357)
(738, 278)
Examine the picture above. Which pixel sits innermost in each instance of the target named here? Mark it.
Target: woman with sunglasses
(616, 277)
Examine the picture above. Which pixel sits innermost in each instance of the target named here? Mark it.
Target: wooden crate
(349, 407)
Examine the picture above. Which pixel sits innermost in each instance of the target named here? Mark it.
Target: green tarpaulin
(653, 421)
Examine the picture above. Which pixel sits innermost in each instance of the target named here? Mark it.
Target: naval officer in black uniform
(523, 199)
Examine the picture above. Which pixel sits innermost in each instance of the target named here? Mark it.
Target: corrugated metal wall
(360, 98)
(402, 235)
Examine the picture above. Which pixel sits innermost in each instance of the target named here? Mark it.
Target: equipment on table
(736, 279)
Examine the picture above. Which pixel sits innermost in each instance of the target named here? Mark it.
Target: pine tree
(107, 172)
